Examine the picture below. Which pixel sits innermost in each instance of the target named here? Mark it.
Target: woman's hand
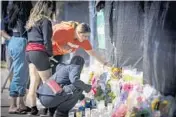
(99, 58)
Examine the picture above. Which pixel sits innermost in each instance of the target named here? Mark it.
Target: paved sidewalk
(5, 99)
(5, 95)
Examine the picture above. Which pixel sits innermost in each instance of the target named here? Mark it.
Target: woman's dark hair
(20, 10)
(4, 8)
(4, 16)
(77, 60)
(83, 28)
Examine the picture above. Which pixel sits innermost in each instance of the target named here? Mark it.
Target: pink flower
(121, 111)
(139, 99)
(94, 84)
(127, 87)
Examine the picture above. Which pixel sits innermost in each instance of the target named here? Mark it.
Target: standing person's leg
(28, 83)
(24, 73)
(17, 88)
(39, 69)
(13, 105)
(8, 59)
(9, 64)
(34, 82)
(45, 75)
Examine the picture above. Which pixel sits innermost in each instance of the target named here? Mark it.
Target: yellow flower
(91, 77)
(154, 103)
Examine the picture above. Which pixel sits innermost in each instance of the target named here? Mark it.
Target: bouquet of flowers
(101, 87)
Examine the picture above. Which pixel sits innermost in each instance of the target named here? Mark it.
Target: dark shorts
(39, 59)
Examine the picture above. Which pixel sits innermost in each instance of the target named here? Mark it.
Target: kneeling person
(64, 88)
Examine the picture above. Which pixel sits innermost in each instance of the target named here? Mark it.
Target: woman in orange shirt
(69, 36)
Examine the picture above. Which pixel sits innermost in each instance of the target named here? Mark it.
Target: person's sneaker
(34, 110)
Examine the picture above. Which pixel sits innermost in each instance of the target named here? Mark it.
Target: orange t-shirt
(64, 33)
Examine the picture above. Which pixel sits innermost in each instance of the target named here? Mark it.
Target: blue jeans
(16, 50)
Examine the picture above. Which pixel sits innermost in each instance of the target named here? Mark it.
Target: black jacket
(42, 33)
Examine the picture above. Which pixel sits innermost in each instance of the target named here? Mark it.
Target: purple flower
(124, 96)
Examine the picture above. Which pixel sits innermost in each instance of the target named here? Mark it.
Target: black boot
(52, 111)
(34, 110)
